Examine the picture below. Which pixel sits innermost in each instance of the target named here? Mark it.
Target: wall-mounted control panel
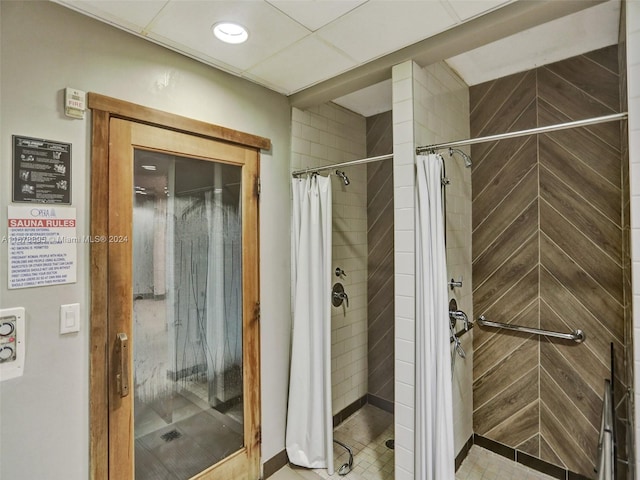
(12, 342)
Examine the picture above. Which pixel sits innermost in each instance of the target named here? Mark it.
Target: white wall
(404, 261)
(633, 86)
(325, 135)
(430, 105)
(44, 429)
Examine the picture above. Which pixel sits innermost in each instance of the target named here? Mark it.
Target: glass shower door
(187, 314)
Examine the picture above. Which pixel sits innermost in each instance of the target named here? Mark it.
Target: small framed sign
(41, 171)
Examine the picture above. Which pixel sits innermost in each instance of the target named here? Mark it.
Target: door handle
(122, 364)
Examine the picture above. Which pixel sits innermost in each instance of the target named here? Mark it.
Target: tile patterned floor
(292, 473)
(366, 432)
(482, 464)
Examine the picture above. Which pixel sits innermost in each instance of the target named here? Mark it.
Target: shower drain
(170, 435)
(391, 444)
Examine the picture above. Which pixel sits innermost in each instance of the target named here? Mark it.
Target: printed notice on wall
(42, 250)
(41, 170)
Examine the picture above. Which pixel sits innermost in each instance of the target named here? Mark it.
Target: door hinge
(258, 187)
(256, 312)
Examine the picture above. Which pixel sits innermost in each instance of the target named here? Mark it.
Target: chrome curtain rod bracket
(350, 163)
(577, 336)
(532, 131)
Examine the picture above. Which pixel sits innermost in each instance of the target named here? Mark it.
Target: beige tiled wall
(442, 116)
(445, 105)
(349, 325)
(431, 105)
(326, 135)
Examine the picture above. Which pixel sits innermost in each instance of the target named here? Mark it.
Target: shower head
(465, 157)
(344, 178)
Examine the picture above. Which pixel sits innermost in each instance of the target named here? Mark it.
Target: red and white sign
(42, 245)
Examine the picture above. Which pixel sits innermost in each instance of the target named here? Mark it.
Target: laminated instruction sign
(42, 245)
(41, 170)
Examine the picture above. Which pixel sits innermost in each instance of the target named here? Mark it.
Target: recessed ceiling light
(152, 168)
(230, 32)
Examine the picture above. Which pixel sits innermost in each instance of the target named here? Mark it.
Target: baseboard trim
(349, 410)
(526, 459)
(274, 464)
(381, 403)
(464, 451)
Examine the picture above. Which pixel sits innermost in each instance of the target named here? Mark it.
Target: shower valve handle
(339, 295)
(345, 297)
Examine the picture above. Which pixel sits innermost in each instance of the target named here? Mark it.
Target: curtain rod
(531, 131)
(361, 161)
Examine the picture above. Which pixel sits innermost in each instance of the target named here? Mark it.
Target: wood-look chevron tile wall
(380, 291)
(547, 253)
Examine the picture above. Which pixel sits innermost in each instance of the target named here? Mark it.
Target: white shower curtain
(309, 435)
(434, 450)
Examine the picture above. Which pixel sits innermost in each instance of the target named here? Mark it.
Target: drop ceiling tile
(467, 9)
(305, 63)
(360, 31)
(575, 34)
(188, 23)
(379, 27)
(315, 14)
(369, 101)
(134, 16)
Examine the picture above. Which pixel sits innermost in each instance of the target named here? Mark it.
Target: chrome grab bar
(577, 336)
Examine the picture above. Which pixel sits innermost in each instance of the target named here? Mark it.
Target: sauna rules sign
(42, 246)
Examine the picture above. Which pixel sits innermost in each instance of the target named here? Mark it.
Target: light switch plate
(70, 318)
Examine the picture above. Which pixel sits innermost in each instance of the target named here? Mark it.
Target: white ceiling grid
(295, 44)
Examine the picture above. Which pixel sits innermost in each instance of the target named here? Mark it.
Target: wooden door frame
(103, 109)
